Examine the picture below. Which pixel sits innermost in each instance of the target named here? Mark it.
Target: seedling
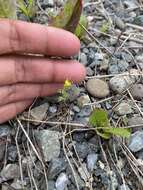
(64, 92)
(8, 9)
(70, 17)
(100, 121)
(28, 9)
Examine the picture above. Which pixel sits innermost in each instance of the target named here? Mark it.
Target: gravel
(75, 157)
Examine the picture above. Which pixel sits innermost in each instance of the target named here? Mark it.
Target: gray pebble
(123, 109)
(123, 187)
(39, 112)
(120, 83)
(119, 23)
(49, 143)
(98, 88)
(137, 91)
(5, 130)
(73, 93)
(138, 20)
(82, 100)
(76, 109)
(89, 71)
(136, 120)
(113, 69)
(62, 181)
(53, 109)
(136, 141)
(83, 59)
(11, 171)
(91, 161)
(56, 166)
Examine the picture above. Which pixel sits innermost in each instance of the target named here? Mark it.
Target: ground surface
(61, 152)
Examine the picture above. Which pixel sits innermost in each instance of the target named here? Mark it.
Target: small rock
(73, 93)
(12, 153)
(119, 23)
(123, 187)
(49, 143)
(99, 56)
(5, 130)
(56, 166)
(84, 148)
(136, 141)
(62, 181)
(79, 136)
(51, 185)
(98, 88)
(123, 66)
(91, 161)
(82, 120)
(138, 20)
(130, 4)
(136, 120)
(137, 91)
(89, 71)
(82, 100)
(76, 109)
(84, 112)
(120, 83)
(17, 185)
(11, 171)
(39, 112)
(123, 109)
(53, 109)
(113, 69)
(83, 59)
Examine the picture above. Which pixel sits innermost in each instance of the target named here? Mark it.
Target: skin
(26, 70)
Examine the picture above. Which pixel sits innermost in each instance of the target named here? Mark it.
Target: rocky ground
(51, 146)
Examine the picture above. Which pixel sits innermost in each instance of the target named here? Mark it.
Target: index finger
(23, 37)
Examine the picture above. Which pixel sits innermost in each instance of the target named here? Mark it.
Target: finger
(21, 92)
(38, 70)
(23, 37)
(9, 111)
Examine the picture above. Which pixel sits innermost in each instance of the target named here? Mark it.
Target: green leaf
(119, 132)
(8, 9)
(105, 27)
(29, 9)
(69, 17)
(99, 118)
(80, 32)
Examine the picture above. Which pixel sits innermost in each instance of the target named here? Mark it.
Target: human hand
(23, 74)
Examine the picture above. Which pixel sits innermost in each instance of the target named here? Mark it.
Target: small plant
(70, 17)
(8, 9)
(100, 121)
(63, 92)
(105, 27)
(28, 9)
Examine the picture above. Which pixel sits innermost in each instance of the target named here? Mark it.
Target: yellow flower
(67, 84)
